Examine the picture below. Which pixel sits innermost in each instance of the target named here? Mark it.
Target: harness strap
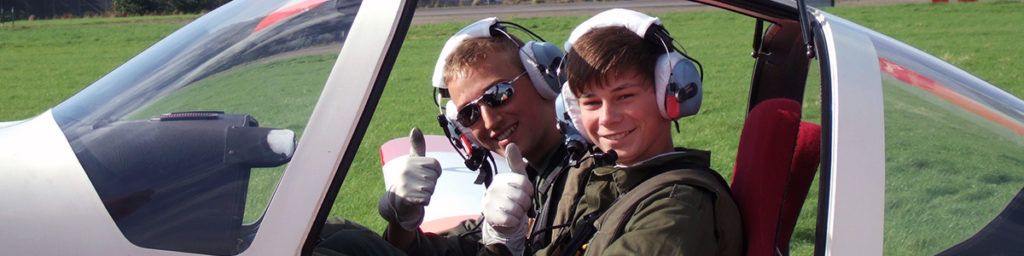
(583, 232)
(539, 239)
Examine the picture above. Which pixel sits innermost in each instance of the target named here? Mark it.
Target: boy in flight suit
(627, 83)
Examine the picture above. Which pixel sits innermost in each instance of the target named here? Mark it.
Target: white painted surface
(49, 204)
(293, 208)
(857, 192)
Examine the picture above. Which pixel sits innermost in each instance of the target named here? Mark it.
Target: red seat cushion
(763, 162)
(806, 157)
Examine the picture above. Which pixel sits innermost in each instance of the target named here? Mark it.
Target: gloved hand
(409, 181)
(506, 203)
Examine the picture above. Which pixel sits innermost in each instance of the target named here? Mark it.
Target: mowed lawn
(44, 62)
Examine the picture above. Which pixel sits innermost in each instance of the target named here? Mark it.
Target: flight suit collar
(552, 160)
(626, 178)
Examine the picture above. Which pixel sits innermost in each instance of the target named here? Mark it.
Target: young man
(655, 199)
(501, 103)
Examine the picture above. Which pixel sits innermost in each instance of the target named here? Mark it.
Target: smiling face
(622, 115)
(526, 118)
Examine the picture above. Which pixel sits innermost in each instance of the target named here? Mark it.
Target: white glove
(410, 181)
(506, 203)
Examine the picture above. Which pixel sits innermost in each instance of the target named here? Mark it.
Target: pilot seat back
(775, 164)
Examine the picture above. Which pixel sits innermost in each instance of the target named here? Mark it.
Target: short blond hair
(475, 50)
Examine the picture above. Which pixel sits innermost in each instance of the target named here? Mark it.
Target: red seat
(775, 164)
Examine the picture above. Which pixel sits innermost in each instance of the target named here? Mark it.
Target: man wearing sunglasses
(498, 102)
(495, 99)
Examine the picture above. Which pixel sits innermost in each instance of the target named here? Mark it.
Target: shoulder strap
(540, 232)
(612, 222)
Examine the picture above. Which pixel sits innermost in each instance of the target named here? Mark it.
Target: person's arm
(463, 239)
(677, 220)
(399, 237)
(409, 183)
(501, 230)
(506, 203)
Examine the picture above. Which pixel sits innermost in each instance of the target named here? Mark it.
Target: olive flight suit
(675, 219)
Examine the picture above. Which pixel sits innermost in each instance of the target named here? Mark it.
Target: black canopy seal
(805, 28)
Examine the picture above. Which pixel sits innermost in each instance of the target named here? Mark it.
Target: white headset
(540, 60)
(677, 81)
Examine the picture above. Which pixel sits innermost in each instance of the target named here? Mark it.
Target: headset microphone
(476, 157)
(606, 158)
(479, 158)
(574, 143)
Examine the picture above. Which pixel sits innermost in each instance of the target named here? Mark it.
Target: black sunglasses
(497, 95)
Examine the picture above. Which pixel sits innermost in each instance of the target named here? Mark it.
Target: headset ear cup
(540, 59)
(571, 108)
(674, 73)
(662, 74)
(688, 89)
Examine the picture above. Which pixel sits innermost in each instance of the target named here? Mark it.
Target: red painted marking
(929, 85)
(400, 146)
(671, 106)
(286, 12)
(467, 147)
(444, 224)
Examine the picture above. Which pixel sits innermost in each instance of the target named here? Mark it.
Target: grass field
(969, 171)
(43, 62)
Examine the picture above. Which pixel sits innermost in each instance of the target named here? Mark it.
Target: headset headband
(635, 21)
(480, 28)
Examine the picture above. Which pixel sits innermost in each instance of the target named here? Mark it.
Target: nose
(610, 114)
(490, 117)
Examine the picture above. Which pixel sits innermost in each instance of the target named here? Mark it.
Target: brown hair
(475, 50)
(598, 53)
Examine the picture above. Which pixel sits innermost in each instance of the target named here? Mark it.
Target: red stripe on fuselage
(286, 12)
(929, 85)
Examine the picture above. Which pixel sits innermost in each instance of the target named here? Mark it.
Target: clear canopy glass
(186, 142)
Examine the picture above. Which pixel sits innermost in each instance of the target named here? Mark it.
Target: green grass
(948, 172)
(970, 173)
(44, 62)
(981, 38)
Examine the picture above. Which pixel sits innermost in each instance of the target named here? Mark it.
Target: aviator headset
(677, 81)
(540, 60)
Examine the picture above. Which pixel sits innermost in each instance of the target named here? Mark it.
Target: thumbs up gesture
(506, 203)
(410, 182)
